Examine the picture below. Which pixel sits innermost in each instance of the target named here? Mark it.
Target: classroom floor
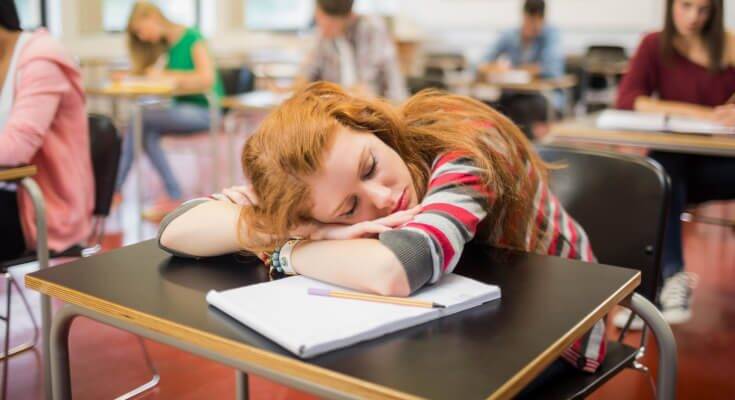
(106, 362)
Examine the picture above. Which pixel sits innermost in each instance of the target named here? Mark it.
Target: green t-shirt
(180, 58)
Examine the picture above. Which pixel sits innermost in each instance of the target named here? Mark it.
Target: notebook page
(308, 325)
(630, 120)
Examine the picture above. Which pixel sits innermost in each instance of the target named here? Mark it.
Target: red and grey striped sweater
(456, 202)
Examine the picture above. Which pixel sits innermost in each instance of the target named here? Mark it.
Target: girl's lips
(401, 203)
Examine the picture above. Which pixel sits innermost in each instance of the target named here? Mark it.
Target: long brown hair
(713, 34)
(144, 54)
(290, 143)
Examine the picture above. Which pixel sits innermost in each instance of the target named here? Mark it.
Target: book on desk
(655, 122)
(308, 325)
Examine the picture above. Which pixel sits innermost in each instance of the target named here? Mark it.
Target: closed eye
(370, 172)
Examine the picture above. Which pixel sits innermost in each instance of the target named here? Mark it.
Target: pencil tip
(437, 305)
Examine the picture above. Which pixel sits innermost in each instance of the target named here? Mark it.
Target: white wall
(470, 25)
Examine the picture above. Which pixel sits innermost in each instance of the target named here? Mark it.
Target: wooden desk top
(260, 100)
(537, 85)
(584, 130)
(133, 90)
(489, 351)
(15, 173)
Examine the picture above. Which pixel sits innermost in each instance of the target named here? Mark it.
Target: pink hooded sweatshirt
(47, 127)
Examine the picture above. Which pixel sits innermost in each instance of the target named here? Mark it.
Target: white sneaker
(621, 318)
(676, 297)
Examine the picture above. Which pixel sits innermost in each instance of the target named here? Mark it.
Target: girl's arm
(201, 78)
(675, 108)
(40, 88)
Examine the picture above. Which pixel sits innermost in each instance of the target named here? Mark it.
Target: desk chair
(105, 148)
(594, 82)
(620, 201)
(42, 254)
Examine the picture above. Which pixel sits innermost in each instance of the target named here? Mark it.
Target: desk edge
(514, 385)
(277, 363)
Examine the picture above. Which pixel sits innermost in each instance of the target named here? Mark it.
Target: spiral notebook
(309, 325)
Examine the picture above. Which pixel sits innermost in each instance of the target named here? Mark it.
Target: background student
(355, 51)
(190, 65)
(42, 122)
(687, 69)
(534, 47)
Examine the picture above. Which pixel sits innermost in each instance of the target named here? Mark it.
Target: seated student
(191, 66)
(355, 51)
(42, 122)
(402, 189)
(690, 69)
(536, 48)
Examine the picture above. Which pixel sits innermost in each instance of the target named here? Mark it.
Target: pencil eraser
(319, 291)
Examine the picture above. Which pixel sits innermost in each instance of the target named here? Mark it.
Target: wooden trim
(15, 173)
(225, 347)
(531, 370)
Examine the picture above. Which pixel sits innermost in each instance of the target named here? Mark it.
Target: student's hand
(154, 73)
(242, 195)
(365, 229)
(725, 115)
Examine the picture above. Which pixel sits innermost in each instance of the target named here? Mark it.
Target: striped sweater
(456, 203)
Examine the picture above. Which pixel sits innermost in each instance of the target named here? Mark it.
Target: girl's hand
(242, 195)
(725, 115)
(365, 229)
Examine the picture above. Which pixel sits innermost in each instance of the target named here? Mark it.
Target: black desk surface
(489, 351)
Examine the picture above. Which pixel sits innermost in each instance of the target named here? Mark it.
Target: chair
(594, 82)
(29, 185)
(620, 201)
(237, 80)
(105, 149)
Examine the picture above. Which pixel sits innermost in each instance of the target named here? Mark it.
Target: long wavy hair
(290, 143)
(713, 34)
(144, 54)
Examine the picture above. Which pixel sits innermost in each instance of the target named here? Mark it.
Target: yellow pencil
(372, 297)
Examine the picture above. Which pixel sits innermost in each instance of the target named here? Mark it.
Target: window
(32, 13)
(279, 15)
(295, 15)
(115, 13)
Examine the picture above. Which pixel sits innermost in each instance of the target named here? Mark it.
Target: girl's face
(148, 29)
(690, 16)
(361, 179)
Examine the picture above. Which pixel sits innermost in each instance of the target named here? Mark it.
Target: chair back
(620, 201)
(605, 54)
(105, 145)
(237, 80)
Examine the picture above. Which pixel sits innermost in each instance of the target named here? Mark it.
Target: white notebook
(632, 120)
(309, 325)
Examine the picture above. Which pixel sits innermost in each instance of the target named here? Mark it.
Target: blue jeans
(179, 119)
(694, 179)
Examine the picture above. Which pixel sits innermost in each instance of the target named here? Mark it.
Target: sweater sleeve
(641, 78)
(432, 243)
(41, 85)
(179, 211)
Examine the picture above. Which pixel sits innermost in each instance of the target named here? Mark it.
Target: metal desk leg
(666, 380)
(137, 118)
(549, 97)
(39, 209)
(59, 356)
(242, 391)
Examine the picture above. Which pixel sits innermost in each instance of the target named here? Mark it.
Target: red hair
(291, 141)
